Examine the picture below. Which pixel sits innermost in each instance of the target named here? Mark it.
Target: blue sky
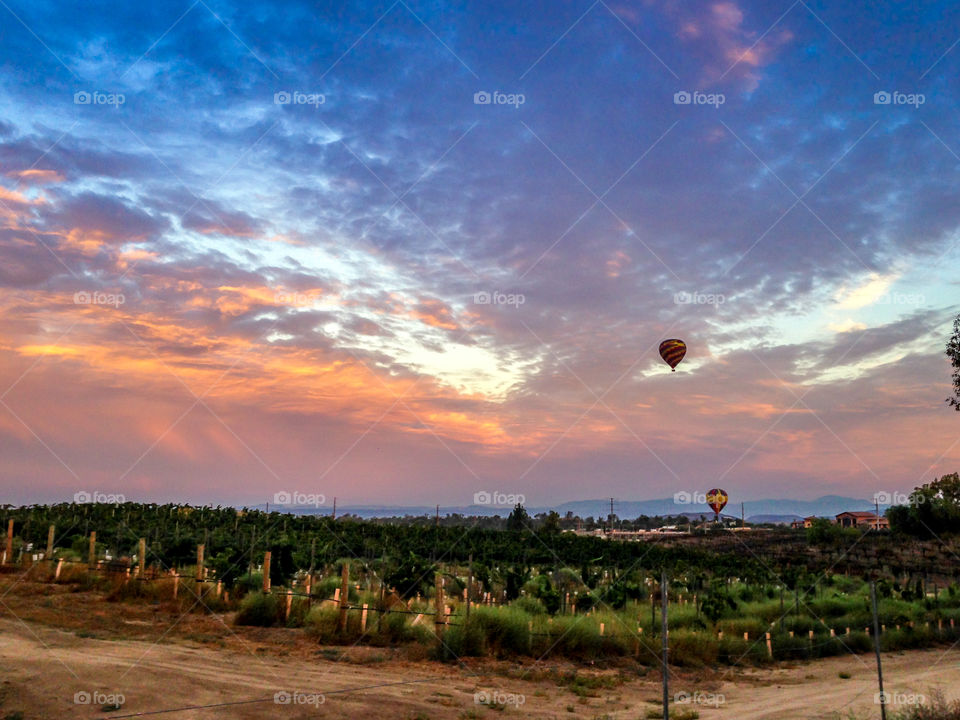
(302, 282)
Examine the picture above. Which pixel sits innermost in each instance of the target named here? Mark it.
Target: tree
(953, 352)
(519, 519)
(551, 524)
(934, 509)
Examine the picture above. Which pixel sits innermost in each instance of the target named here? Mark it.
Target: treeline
(235, 541)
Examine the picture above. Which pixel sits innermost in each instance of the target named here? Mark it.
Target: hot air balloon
(672, 352)
(717, 500)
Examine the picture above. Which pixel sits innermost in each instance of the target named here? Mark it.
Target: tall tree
(518, 519)
(953, 352)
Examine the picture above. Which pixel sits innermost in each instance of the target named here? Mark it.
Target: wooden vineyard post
(438, 604)
(92, 556)
(176, 584)
(344, 597)
(266, 571)
(50, 535)
(8, 553)
(286, 611)
(313, 553)
(469, 583)
(363, 619)
(769, 646)
(56, 574)
(200, 562)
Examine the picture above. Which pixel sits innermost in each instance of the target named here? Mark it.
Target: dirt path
(42, 669)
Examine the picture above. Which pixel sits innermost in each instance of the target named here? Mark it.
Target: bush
(691, 649)
(529, 605)
(258, 610)
(937, 709)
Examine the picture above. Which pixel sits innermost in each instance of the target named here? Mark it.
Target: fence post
(200, 572)
(469, 583)
(56, 575)
(363, 619)
(8, 553)
(344, 597)
(666, 675)
(266, 571)
(438, 603)
(769, 646)
(176, 584)
(141, 557)
(50, 536)
(876, 647)
(92, 556)
(286, 612)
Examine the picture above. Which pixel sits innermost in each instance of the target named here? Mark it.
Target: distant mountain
(783, 511)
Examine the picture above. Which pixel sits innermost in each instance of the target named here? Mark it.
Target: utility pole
(876, 504)
(876, 647)
(334, 508)
(743, 522)
(438, 516)
(666, 679)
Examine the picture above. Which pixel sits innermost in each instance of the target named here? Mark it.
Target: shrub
(529, 605)
(937, 709)
(259, 610)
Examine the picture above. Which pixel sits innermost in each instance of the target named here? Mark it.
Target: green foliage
(718, 602)
(933, 511)
(259, 610)
(518, 520)
(953, 352)
(411, 575)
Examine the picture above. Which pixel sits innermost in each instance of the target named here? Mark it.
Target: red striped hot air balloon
(717, 500)
(672, 352)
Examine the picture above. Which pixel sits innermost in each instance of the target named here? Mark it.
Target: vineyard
(465, 591)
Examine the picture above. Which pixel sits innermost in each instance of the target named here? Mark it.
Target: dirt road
(43, 669)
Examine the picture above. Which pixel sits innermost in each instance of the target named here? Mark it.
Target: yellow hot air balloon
(672, 352)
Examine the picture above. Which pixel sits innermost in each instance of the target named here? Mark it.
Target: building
(805, 522)
(862, 520)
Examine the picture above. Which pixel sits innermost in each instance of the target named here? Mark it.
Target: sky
(405, 252)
